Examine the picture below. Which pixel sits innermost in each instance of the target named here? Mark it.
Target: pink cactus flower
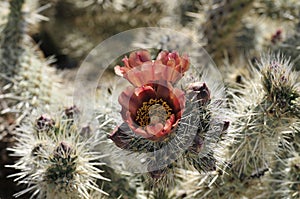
(139, 69)
(152, 111)
(152, 107)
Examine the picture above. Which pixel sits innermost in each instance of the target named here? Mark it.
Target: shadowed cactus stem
(12, 40)
(222, 25)
(24, 78)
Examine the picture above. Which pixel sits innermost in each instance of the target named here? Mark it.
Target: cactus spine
(267, 108)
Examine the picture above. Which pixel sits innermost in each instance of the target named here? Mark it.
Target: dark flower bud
(119, 135)
(63, 150)
(225, 126)
(201, 92)
(44, 123)
(197, 144)
(71, 112)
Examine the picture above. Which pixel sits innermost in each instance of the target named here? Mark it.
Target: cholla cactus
(162, 121)
(57, 159)
(293, 184)
(11, 43)
(266, 110)
(223, 22)
(281, 9)
(290, 46)
(172, 125)
(23, 80)
(121, 184)
(274, 112)
(167, 39)
(80, 32)
(284, 178)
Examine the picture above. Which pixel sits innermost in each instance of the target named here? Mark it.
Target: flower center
(152, 112)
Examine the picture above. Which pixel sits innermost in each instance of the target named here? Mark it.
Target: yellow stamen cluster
(152, 112)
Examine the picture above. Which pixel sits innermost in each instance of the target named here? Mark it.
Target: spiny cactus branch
(13, 35)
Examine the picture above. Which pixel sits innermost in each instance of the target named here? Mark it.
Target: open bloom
(139, 69)
(152, 111)
(152, 108)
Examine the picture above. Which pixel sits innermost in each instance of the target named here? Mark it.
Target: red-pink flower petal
(138, 58)
(178, 98)
(168, 126)
(135, 100)
(121, 70)
(171, 74)
(185, 63)
(155, 129)
(140, 70)
(135, 59)
(124, 100)
(142, 132)
(132, 98)
(173, 60)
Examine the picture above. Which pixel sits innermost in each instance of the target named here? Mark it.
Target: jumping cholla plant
(172, 115)
(267, 108)
(58, 158)
(162, 119)
(24, 76)
(222, 26)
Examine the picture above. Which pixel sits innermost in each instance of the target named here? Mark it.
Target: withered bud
(118, 136)
(197, 144)
(225, 125)
(71, 112)
(63, 149)
(44, 122)
(201, 90)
